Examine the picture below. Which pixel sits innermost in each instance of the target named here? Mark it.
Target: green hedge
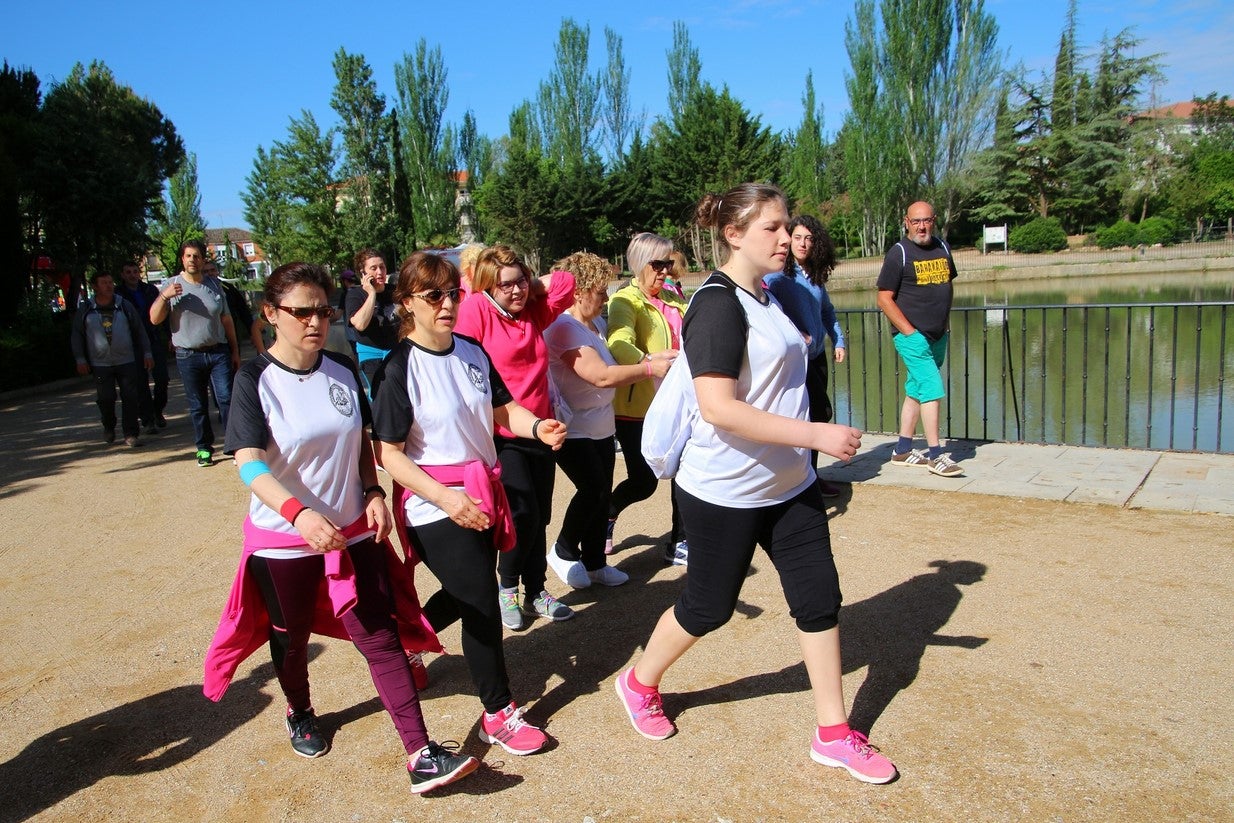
(1149, 232)
(35, 348)
(1042, 234)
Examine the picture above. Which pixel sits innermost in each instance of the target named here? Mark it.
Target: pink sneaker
(854, 753)
(508, 730)
(646, 711)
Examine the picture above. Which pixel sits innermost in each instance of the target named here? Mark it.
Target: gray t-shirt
(196, 315)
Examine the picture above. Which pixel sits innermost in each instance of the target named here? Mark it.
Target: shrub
(35, 349)
(1041, 234)
(1122, 233)
(1154, 230)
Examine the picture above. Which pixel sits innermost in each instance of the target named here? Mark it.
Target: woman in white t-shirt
(316, 530)
(436, 398)
(586, 376)
(745, 479)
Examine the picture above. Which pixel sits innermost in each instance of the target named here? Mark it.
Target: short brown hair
(491, 261)
(421, 271)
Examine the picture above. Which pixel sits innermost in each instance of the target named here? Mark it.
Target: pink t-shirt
(672, 316)
(516, 344)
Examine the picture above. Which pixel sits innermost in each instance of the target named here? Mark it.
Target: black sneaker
(305, 737)
(437, 765)
(160, 421)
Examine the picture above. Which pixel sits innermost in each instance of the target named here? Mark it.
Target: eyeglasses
(521, 283)
(921, 221)
(438, 296)
(660, 265)
(303, 313)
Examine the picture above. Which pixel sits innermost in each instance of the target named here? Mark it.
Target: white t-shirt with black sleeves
(310, 424)
(439, 405)
(769, 364)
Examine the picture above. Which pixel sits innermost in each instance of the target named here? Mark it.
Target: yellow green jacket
(635, 329)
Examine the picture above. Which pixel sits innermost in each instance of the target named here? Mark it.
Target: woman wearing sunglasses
(438, 397)
(644, 319)
(316, 513)
(507, 313)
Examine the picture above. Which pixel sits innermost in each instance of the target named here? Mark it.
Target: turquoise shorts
(923, 361)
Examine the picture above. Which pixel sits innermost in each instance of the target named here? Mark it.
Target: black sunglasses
(303, 313)
(660, 265)
(438, 296)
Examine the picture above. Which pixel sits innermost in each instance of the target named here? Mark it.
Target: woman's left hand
(551, 432)
(377, 516)
(840, 354)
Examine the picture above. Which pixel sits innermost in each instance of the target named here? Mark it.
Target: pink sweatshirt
(244, 626)
(516, 344)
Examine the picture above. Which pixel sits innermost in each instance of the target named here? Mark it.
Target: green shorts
(923, 361)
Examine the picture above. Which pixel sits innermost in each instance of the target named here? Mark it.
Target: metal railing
(1136, 375)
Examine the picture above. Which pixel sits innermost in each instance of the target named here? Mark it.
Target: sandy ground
(1018, 659)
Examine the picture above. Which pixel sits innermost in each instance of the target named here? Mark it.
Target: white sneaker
(571, 572)
(608, 576)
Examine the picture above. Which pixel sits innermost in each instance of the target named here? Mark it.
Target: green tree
(569, 100)
(516, 195)
(423, 95)
(806, 179)
(19, 137)
(366, 213)
(1000, 183)
(684, 69)
(96, 195)
(180, 218)
(621, 125)
(268, 207)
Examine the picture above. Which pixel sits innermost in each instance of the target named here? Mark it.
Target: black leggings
(463, 561)
(641, 481)
(722, 541)
(589, 465)
(527, 473)
(290, 589)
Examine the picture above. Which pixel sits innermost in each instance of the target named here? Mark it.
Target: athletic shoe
(608, 576)
(419, 674)
(944, 466)
(646, 711)
(511, 615)
(439, 764)
(205, 458)
(912, 457)
(149, 428)
(677, 553)
(160, 421)
(571, 572)
(109, 437)
(547, 606)
(132, 441)
(828, 490)
(509, 730)
(306, 740)
(608, 536)
(855, 754)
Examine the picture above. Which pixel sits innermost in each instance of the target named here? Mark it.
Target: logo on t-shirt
(341, 398)
(477, 378)
(932, 272)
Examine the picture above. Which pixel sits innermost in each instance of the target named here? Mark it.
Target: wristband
(649, 367)
(535, 428)
(377, 489)
(291, 510)
(252, 470)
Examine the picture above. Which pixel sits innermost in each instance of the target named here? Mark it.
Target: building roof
(1182, 111)
(214, 237)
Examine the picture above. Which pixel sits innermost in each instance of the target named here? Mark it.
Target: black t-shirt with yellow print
(920, 278)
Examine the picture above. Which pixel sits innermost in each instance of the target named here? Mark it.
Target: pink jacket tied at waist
(480, 483)
(245, 624)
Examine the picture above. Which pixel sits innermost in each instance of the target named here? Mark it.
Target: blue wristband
(252, 470)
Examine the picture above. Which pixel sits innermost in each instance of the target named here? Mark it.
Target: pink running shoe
(854, 753)
(508, 730)
(646, 711)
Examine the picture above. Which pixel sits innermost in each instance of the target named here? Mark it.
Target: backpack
(673, 412)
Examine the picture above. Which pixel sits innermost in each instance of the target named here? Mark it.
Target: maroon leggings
(289, 588)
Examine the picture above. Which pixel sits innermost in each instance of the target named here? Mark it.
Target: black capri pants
(722, 540)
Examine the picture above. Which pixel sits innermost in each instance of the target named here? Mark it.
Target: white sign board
(993, 234)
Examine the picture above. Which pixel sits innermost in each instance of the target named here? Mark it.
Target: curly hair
(590, 270)
(821, 262)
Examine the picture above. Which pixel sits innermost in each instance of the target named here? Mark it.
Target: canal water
(1140, 361)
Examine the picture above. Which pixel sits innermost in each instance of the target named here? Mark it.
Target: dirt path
(1020, 660)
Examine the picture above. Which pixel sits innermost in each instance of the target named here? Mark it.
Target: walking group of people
(472, 387)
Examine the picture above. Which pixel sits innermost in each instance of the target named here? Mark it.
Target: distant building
(242, 248)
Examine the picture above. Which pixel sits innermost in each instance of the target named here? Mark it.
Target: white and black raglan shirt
(769, 364)
(439, 405)
(310, 424)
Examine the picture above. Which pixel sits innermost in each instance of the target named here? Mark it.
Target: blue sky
(230, 75)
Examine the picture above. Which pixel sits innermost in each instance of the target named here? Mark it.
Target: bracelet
(291, 509)
(377, 489)
(535, 428)
(649, 366)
